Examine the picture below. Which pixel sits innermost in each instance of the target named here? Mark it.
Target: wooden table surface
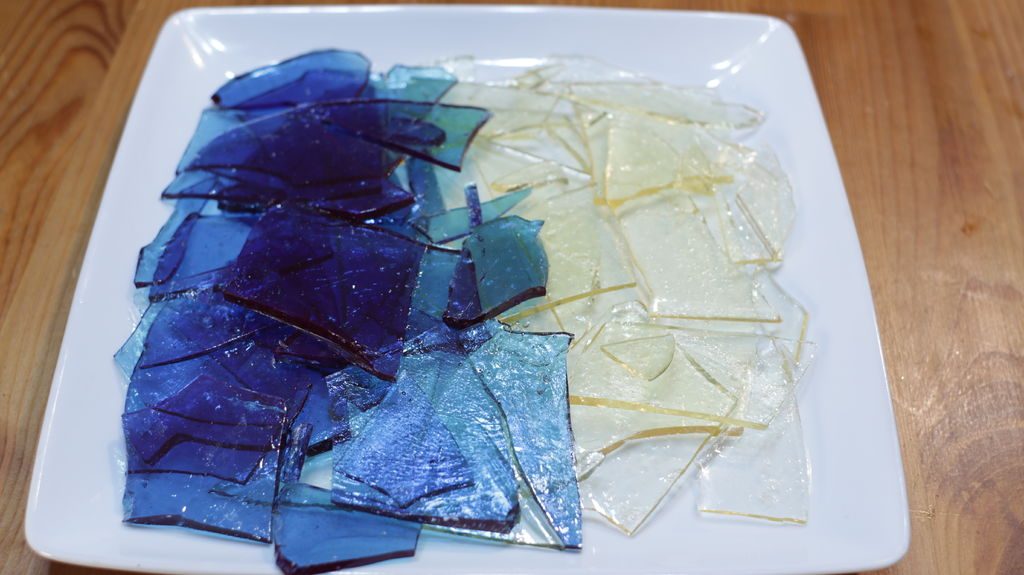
(925, 103)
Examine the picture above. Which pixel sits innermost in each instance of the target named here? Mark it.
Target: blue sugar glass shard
(454, 224)
(311, 350)
(311, 77)
(149, 255)
(526, 375)
(198, 254)
(355, 200)
(358, 387)
(438, 133)
(316, 416)
(294, 149)
(502, 264)
(312, 535)
(128, 355)
(351, 285)
(474, 212)
(191, 326)
(209, 427)
(248, 363)
(424, 186)
(489, 502)
(214, 122)
(294, 455)
(420, 84)
(403, 451)
(190, 501)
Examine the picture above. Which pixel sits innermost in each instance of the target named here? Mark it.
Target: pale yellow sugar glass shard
(795, 319)
(761, 475)
(757, 209)
(760, 370)
(672, 103)
(495, 170)
(645, 155)
(596, 379)
(572, 69)
(505, 99)
(686, 274)
(646, 357)
(599, 431)
(629, 483)
(553, 137)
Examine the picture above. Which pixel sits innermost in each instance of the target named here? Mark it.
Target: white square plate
(858, 514)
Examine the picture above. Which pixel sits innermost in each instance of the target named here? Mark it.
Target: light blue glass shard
(487, 502)
(403, 451)
(311, 77)
(127, 356)
(316, 416)
(312, 535)
(294, 455)
(189, 501)
(149, 255)
(526, 375)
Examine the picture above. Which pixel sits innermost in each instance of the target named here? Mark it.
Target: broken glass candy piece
(502, 265)
(311, 77)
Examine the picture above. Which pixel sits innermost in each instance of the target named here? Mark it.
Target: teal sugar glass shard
(502, 264)
(415, 83)
(453, 224)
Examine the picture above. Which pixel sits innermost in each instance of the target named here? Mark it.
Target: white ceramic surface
(858, 518)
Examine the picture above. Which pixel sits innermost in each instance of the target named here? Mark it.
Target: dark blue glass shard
(149, 255)
(438, 133)
(190, 501)
(191, 326)
(195, 258)
(454, 224)
(209, 427)
(312, 535)
(358, 387)
(351, 285)
(214, 122)
(295, 149)
(502, 264)
(311, 77)
(311, 350)
(526, 375)
(403, 451)
(474, 212)
(420, 84)
(248, 363)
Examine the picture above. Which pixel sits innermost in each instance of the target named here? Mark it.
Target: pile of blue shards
(297, 307)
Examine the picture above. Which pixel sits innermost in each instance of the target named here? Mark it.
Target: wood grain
(925, 103)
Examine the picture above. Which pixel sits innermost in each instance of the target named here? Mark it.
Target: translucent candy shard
(628, 484)
(312, 535)
(598, 378)
(187, 327)
(311, 77)
(763, 475)
(404, 452)
(502, 264)
(454, 224)
(672, 103)
(525, 373)
(209, 427)
(686, 273)
(416, 83)
(351, 285)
